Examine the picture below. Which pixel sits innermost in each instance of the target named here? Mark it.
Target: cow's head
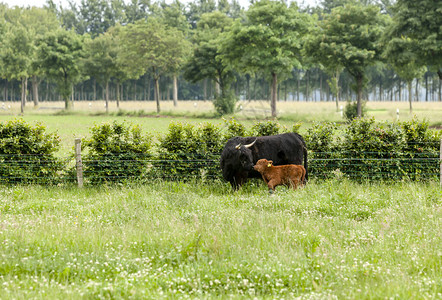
(245, 156)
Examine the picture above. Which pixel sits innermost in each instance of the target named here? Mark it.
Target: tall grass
(333, 240)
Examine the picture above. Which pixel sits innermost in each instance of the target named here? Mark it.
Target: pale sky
(64, 3)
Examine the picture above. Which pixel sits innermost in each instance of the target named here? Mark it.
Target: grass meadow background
(332, 239)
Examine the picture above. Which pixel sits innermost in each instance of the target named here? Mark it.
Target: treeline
(206, 49)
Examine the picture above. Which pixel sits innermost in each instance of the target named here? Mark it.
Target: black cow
(240, 154)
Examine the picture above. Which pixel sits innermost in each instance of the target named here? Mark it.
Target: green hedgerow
(116, 152)
(27, 153)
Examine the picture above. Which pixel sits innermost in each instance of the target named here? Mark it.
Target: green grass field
(78, 122)
(328, 240)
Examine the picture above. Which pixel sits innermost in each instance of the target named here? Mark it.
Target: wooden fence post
(78, 162)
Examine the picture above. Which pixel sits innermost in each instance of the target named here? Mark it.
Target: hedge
(118, 152)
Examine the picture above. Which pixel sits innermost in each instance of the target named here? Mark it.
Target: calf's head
(262, 164)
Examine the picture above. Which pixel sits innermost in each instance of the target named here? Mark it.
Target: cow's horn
(250, 145)
(238, 146)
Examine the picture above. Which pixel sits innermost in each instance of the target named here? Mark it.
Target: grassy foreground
(331, 240)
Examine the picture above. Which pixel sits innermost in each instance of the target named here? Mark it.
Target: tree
(37, 21)
(322, 51)
(399, 53)
(269, 41)
(15, 56)
(351, 38)
(206, 60)
(59, 54)
(100, 60)
(149, 46)
(120, 74)
(419, 24)
(173, 16)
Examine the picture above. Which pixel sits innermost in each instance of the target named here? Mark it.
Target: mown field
(328, 240)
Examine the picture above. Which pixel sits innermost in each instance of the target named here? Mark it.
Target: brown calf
(291, 175)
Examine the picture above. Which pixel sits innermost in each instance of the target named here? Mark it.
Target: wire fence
(361, 166)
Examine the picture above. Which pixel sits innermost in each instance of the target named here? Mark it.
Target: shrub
(27, 153)
(372, 150)
(323, 148)
(224, 104)
(187, 151)
(351, 110)
(421, 149)
(116, 152)
(263, 128)
(234, 128)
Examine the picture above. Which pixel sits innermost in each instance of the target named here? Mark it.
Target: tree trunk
(381, 92)
(307, 83)
(298, 86)
(248, 87)
(157, 93)
(337, 89)
(175, 90)
(95, 90)
(148, 89)
(217, 88)
(439, 95)
(359, 80)
(417, 90)
(118, 94)
(274, 94)
(72, 94)
(25, 92)
(6, 90)
(400, 90)
(205, 89)
(410, 95)
(47, 90)
(35, 90)
(23, 95)
(320, 87)
(426, 87)
(107, 96)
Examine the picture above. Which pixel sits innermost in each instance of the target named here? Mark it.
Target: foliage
(116, 152)
(322, 146)
(28, 154)
(100, 60)
(59, 54)
(186, 151)
(150, 46)
(374, 151)
(418, 24)
(268, 42)
(234, 128)
(351, 110)
(350, 38)
(225, 104)
(264, 128)
(206, 60)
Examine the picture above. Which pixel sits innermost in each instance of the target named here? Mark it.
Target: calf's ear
(270, 163)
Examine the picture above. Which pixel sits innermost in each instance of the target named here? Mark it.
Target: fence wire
(38, 169)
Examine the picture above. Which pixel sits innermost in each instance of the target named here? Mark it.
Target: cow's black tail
(305, 164)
